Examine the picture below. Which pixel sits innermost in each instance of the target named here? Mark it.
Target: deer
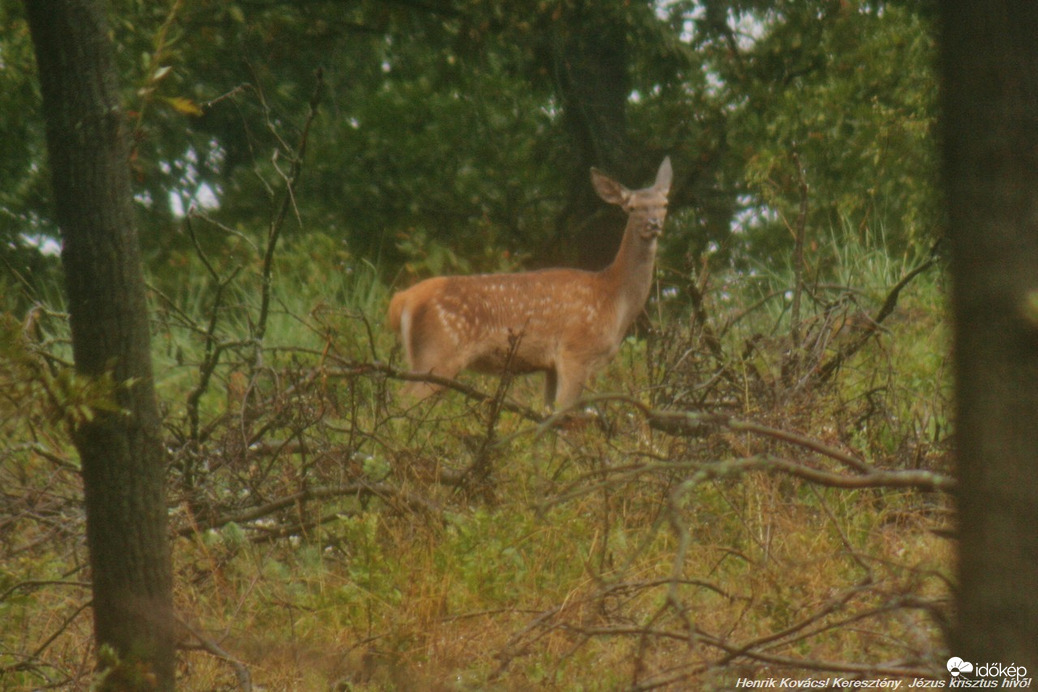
(567, 323)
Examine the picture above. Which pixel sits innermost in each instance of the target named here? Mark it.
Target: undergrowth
(742, 497)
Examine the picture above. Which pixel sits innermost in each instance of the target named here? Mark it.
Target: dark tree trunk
(121, 453)
(590, 67)
(990, 110)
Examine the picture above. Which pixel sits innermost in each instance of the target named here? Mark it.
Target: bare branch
(827, 369)
(241, 672)
(287, 199)
(381, 490)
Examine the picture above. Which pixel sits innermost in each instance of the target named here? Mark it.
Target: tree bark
(121, 453)
(989, 67)
(590, 68)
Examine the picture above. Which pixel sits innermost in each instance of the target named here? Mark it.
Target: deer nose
(653, 228)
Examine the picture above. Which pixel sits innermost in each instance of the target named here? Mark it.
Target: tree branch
(287, 200)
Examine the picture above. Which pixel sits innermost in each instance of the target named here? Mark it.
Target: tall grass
(333, 536)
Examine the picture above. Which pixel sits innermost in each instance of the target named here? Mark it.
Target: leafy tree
(847, 87)
(118, 438)
(458, 135)
(990, 78)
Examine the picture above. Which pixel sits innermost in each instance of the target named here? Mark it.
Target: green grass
(605, 554)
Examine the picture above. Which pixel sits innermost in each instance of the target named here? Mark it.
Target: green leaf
(184, 106)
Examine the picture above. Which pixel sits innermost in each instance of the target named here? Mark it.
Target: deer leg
(422, 390)
(551, 386)
(431, 362)
(570, 376)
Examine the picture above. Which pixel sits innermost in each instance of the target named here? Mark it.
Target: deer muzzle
(653, 229)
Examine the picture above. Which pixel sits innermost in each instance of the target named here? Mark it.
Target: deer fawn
(565, 322)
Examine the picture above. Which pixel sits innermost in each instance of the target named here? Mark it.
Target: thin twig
(209, 646)
(382, 490)
(799, 233)
(287, 200)
(32, 584)
(827, 369)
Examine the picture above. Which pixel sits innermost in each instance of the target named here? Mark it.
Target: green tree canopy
(459, 134)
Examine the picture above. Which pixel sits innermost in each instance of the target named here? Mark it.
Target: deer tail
(396, 311)
(400, 314)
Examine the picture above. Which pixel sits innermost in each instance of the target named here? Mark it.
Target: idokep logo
(956, 666)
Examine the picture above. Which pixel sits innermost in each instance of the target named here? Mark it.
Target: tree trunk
(990, 110)
(121, 453)
(589, 54)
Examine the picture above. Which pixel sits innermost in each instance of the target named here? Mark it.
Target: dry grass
(607, 553)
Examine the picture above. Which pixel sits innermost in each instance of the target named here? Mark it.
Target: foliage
(756, 488)
(451, 124)
(854, 57)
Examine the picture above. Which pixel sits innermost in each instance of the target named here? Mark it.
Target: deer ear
(608, 189)
(664, 176)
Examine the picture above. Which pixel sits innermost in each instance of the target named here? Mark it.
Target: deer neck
(628, 279)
